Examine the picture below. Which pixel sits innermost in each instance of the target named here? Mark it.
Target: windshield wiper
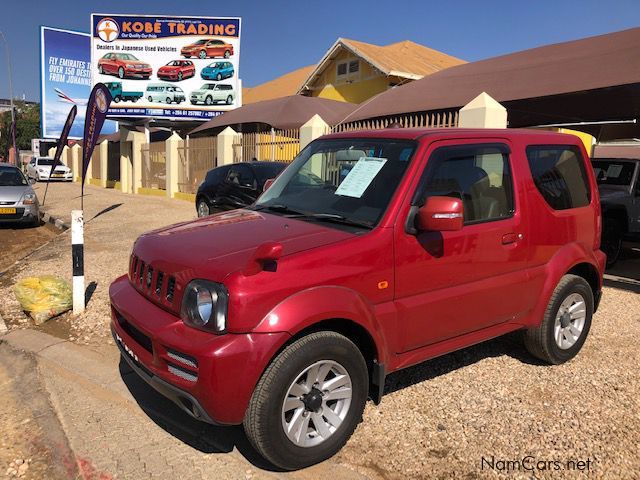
(335, 218)
(280, 208)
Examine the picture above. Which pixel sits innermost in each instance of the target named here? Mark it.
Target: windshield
(613, 172)
(45, 161)
(347, 180)
(126, 56)
(11, 177)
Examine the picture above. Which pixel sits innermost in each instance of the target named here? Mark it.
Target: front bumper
(135, 72)
(209, 376)
(24, 214)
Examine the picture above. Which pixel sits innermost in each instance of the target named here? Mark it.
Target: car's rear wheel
(120, 72)
(202, 54)
(203, 208)
(100, 69)
(227, 54)
(611, 243)
(565, 324)
(309, 401)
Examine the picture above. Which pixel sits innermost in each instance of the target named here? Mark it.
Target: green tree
(28, 123)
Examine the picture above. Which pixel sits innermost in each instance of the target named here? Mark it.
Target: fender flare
(563, 261)
(300, 311)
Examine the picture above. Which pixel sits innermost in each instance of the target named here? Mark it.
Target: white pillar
(77, 254)
(131, 159)
(314, 127)
(483, 112)
(104, 162)
(225, 142)
(76, 159)
(172, 163)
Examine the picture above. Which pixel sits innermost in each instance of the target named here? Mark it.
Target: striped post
(77, 258)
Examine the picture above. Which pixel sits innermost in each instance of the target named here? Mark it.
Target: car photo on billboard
(207, 48)
(211, 93)
(217, 71)
(177, 70)
(164, 93)
(124, 65)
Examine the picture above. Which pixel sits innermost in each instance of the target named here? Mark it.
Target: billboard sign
(65, 80)
(167, 67)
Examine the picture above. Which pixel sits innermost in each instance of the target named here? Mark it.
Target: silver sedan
(18, 201)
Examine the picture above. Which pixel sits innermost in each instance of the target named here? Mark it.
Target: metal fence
(417, 120)
(197, 156)
(154, 171)
(275, 145)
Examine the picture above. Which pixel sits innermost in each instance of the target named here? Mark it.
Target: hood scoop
(264, 258)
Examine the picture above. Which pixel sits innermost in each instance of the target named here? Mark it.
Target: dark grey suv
(619, 184)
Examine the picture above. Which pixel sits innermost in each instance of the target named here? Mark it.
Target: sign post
(97, 107)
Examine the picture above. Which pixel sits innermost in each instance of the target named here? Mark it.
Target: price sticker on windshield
(360, 176)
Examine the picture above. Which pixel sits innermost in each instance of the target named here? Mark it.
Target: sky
(281, 36)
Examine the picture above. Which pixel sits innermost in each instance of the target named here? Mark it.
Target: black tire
(229, 100)
(227, 54)
(540, 341)
(202, 54)
(611, 243)
(202, 208)
(117, 98)
(208, 100)
(168, 100)
(187, 56)
(150, 99)
(120, 72)
(263, 422)
(179, 76)
(100, 70)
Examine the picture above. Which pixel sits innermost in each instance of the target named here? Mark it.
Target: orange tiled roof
(287, 84)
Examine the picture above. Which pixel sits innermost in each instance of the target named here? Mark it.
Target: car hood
(14, 194)
(135, 63)
(215, 246)
(200, 91)
(168, 68)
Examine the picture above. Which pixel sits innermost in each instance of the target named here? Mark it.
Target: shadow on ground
(202, 436)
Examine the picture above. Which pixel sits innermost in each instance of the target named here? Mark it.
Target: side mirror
(267, 184)
(440, 214)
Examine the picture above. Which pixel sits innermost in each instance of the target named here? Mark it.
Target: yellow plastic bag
(43, 297)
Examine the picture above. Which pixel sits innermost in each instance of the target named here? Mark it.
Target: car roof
(5, 164)
(455, 133)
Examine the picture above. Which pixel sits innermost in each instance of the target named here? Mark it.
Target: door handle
(509, 238)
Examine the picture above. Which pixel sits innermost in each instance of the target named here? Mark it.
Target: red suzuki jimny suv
(371, 252)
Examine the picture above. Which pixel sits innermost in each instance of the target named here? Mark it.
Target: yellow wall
(355, 87)
(587, 139)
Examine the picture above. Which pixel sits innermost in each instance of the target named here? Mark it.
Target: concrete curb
(56, 222)
(77, 360)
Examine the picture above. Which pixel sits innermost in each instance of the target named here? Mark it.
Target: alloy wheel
(570, 321)
(316, 403)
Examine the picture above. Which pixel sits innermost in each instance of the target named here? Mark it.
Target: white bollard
(77, 257)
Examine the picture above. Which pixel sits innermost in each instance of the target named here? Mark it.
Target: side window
(479, 175)
(240, 175)
(560, 176)
(341, 69)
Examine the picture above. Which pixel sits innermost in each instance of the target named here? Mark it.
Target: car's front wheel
(565, 324)
(120, 72)
(309, 401)
(208, 100)
(202, 54)
(179, 76)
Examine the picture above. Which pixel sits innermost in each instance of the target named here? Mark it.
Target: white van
(210, 93)
(164, 92)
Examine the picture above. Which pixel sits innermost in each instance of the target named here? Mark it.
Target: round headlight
(204, 305)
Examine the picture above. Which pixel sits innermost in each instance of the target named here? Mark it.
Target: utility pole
(13, 112)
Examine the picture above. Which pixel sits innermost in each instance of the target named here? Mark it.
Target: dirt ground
(16, 242)
(32, 445)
